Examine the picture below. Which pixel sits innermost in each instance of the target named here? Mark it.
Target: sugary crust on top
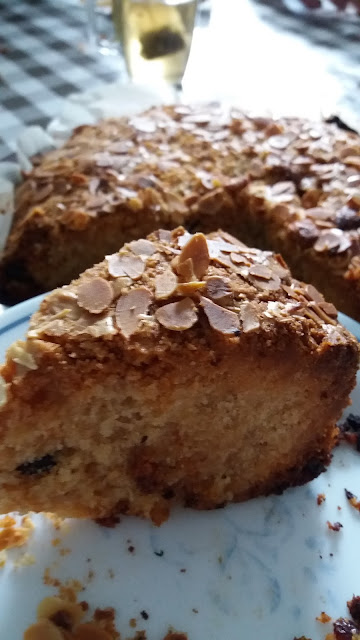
(177, 289)
(174, 157)
(194, 166)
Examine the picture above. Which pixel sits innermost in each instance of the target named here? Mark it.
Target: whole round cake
(288, 185)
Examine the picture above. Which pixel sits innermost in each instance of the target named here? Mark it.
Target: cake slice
(182, 369)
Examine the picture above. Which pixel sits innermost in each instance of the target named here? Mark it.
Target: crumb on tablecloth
(320, 498)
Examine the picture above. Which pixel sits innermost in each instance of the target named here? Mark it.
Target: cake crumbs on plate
(352, 499)
(320, 498)
(25, 560)
(323, 617)
(13, 534)
(334, 526)
(61, 617)
(57, 521)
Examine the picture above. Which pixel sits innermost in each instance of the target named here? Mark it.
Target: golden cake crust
(289, 185)
(131, 388)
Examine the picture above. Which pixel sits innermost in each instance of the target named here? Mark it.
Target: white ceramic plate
(264, 569)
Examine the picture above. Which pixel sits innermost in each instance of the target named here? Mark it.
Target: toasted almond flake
(95, 295)
(236, 258)
(310, 313)
(328, 240)
(190, 288)
(352, 161)
(273, 284)
(279, 266)
(3, 392)
(196, 249)
(184, 269)
(128, 309)
(142, 247)
(329, 308)
(220, 319)
(164, 235)
(322, 314)
(143, 124)
(261, 271)
(279, 142)
(115, 267)
(224, 259)
(18, 353)
(165, 284)
(183, 239)
(290, 291)
(313, 294)
(177, 316)
(132, 266)
(219, 289)
(249, 317)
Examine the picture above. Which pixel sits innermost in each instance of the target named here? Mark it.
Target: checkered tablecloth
(43, 59)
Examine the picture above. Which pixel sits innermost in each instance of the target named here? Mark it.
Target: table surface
(278, 57)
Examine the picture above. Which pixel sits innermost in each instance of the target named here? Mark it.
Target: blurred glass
(154, 35)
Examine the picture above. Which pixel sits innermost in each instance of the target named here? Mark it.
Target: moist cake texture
(288, 185)
(182, 369)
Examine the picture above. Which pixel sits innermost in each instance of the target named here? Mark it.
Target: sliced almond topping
(196, 249)
(228, 238)
(189, 288)
(177, 316)
(220, 319)
(271, 284)
(95, 295)
(237, 258)
(164, 235)
(165, 284)
(142, 247)
(219, 289)
(115, 267)
(261, 271)
(328, 240)
(184, 239)
(3, 392)
(184, 269)
(224, 259)
(329, 309)
(352, 161)
(129, 308)
(279, 266)
(313, 293)
(249, 317)
(132, 266)
(291, 292)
